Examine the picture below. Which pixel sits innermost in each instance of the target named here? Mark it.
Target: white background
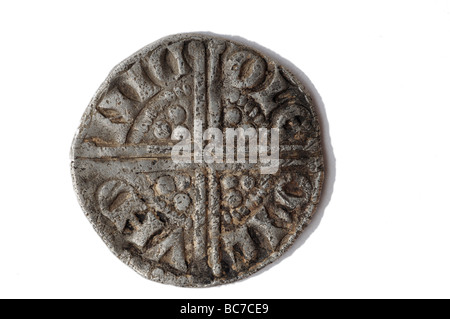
(382, 69)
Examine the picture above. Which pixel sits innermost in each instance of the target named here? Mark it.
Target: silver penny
(196, 224)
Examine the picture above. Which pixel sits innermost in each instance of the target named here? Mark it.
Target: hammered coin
(193, 223)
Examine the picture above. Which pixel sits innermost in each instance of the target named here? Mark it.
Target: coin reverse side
(193, 223)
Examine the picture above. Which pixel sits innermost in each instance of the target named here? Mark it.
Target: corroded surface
(196, 224)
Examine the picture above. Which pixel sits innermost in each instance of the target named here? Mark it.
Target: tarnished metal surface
(196, 224)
